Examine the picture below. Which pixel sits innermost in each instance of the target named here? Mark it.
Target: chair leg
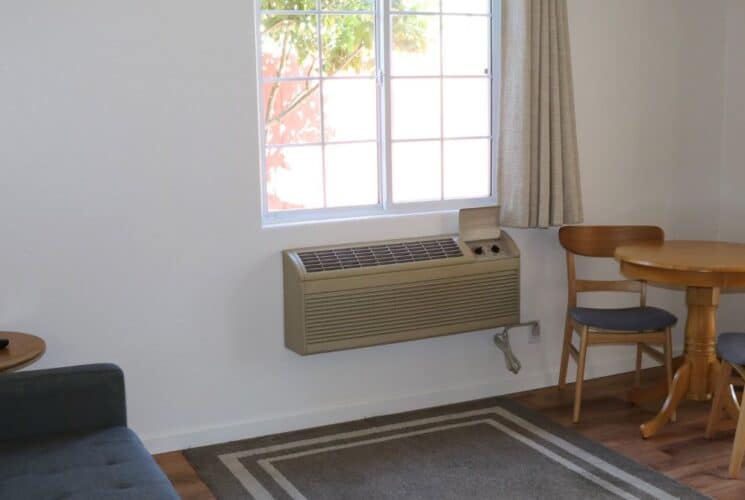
(722, 386)
(669, 371)
(638, 371)
(580, 375)
(669, 356)
(568, 331)
(738, 449)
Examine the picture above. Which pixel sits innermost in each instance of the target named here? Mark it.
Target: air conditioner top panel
(378, 254)
(391, 256)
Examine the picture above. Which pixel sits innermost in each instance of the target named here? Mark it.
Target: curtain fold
(539, 183)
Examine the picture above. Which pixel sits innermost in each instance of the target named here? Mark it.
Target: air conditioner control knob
(495, 248)
(478, 250)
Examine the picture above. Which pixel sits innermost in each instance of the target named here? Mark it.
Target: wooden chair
(643, 325)
(731, 348)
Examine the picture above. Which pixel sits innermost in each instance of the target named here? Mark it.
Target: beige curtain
(538, 167)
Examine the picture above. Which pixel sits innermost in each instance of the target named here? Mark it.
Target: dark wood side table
(22, 350)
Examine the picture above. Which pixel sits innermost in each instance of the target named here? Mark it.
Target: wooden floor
(679, 451)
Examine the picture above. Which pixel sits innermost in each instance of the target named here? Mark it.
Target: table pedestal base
(696, 377)
(679, 392)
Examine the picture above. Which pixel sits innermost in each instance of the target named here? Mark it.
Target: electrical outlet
(535, 334)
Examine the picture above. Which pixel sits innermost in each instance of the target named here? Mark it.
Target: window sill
(290, 219)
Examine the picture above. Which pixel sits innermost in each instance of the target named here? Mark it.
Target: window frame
(385, 206)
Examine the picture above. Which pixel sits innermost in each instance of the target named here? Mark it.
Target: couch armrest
(61, 400)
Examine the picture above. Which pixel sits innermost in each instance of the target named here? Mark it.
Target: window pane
(350, 110)
(415, 108)
(289, 45)
(415, 5)
(292, 112)
(322, 107)
(465, 50)
(288, 4)
(347, 4)
(416, 171)
(294, 178)
(415, 46)
(467, 168)
(467, 107)
(466, 6)
(351, 175)
(348, 45)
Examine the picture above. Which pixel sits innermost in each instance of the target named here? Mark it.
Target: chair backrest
(602, 241)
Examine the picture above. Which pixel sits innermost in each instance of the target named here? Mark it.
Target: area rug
(487, 449)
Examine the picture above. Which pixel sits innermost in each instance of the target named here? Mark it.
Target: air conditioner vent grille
(379, 255)
(421, 306)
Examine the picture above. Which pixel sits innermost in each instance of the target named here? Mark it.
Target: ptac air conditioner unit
(348, 296)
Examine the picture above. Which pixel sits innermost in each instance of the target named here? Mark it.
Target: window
(375, 106)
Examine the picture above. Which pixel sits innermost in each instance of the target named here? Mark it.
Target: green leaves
(410, 33)
(288, 4)
(348, 43)
(347, 5)
(366, 5)
(290, 44)
(290, 41)
(415, 5)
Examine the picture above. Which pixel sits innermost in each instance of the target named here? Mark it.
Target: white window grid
(382, 13)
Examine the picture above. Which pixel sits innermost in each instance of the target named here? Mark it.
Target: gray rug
(487, 449)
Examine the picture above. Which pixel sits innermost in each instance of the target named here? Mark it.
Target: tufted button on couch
(64, 435)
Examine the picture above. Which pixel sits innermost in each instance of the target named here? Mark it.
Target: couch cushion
(630, 319)
(108, 464)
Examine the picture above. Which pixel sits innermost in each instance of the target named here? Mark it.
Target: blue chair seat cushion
(630, 319)
(106, 464)
(731, 347)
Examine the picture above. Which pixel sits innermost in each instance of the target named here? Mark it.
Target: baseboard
(180, 439)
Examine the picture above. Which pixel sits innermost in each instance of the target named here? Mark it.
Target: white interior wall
(698, 120)
(129, 210)
(732, 199)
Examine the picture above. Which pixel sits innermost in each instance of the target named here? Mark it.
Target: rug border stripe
(585, 455)
(566, 463)
(295, 494)
(252, 485)
(281, 479)
(249, 482)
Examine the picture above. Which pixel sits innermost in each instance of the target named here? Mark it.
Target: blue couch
(64, 435)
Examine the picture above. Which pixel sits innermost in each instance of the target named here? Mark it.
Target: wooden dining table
(704, 268)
